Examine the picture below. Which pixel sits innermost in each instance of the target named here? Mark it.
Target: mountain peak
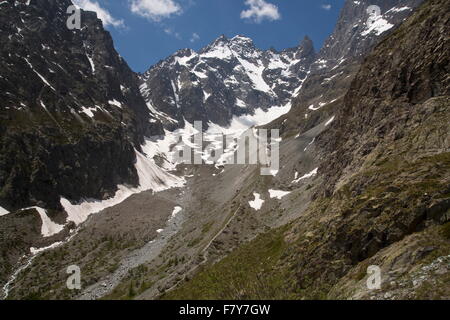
(306, 47)
(306, 40)
(242, 39)
(186, 52)
(221, 39)
(307, 44)
(239, 40)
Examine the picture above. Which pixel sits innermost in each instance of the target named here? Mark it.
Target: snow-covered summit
(227, 78)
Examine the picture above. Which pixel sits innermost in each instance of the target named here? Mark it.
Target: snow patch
(240, 103)
(176, 211)
(89, 111)
(39, 75)
(309, 144)
(395, 9)
(183, 61)
(175, 94)
(279, 194)
(3, 211)
(222, 52)
(329, 121)
(206, 95)
(116, 103)
(255, 73)
(378, 26)
(35, 251)
(242, 123)
(306, 176)
(200, 75)
(151, 177)
(49, 228)
(257, 203)
(91, 62)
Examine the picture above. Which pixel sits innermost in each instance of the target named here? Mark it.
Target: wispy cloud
(102, 13)
(326, 6)
(155, 10)
(172, 32)
(260, 10)
(194, 37)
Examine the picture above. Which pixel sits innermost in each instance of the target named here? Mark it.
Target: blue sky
(146, 31)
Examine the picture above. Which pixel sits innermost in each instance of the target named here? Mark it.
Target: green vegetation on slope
(250, 272)
(340, 231)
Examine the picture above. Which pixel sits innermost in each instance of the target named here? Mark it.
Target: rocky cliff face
(407, 85)
(358, 27)
(70, 112)
(386, 166)
(356, 33)
(382, 196)
(229, 77)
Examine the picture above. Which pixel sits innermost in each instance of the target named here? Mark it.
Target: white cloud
(326, 6)
(171, 32)
(195, 37)
(260, 10)
(102, 14)
(155, 9)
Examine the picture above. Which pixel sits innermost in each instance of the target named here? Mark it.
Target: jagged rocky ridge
(229, 77)
(338, 61)
(71, 112)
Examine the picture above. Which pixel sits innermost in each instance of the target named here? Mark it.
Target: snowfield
(306, 176)
(257, 203)
(49, 228)
(379, 26)
(151, 177)
(3, 211)
(278, 194)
